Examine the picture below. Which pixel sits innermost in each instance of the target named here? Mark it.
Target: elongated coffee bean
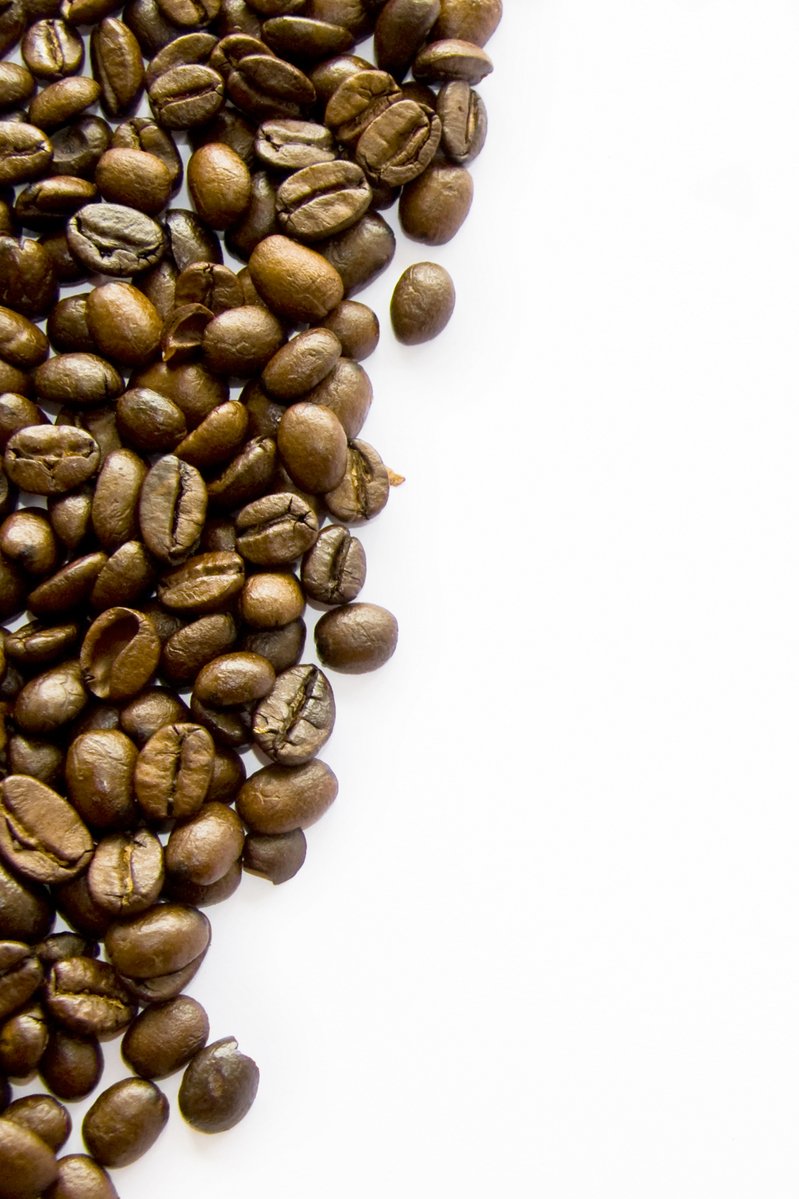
(295, 720)
(41, 835)
(172, 509)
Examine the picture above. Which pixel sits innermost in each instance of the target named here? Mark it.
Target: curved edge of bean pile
(182, 469)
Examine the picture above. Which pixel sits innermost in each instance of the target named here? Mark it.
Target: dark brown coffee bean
(20, 970)
(278, 799)
(145, 135)
(363, 492)
(134, 178)
(301, 364)
(334, 570)
(25, 911)
(149, 26)
(191, 241)
(27, 1163)
(12, 24)
(151, 710)
(63, 101)
(79, 1177)
(194, 390)
(46, 204)
(77, 147)
(275, 530)
(33, 645)
(322, 200)
(172, 509)
(51, 699)
(36, 757)
(434, 206)
(219, 1087)
(464, 122)
(236, 344)
(23, 1038)
(12, 590)
(452, 59)
(71, 1066)
(78, 379)
(401, 30)
(203, 583)
(22, 344)
(187, 95)
(165, 1037)
(190, 13)
(296, 719)
(203, 849)
(346, 391)
(247, 477)
(60, 946)
(125, 325)
(214, 286)
(286, 145)
(17, 412)
(113, 239)
(25, 152)
(119, 654)
(117, 65)
(354, 15)
(282, 647)
(51, 49)
(99, 776)
(149, 421)
(182, 335)
(358, 101)
(234, 680)
(70, 587)
(28, 282)
(160, 943)
(173, 771)
(398, 144)
(219, 184)
(357, 328)
(116, 498)
(262, 85)
(86, 12)
(16, 85)
(472, 20)
(124, 1121)
(127, 576)
(68, 327)
(86, 997)
(41, 835)
(27, 540)
(305, 39)
(361, 253)
(258, 221)
(43, 1116)
(313, 446)
(277, 857)
(126, 875)
(194, 645)
(219, 435)
(185, 891)
(356, 638)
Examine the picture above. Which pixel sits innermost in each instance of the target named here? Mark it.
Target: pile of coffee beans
(181, 403)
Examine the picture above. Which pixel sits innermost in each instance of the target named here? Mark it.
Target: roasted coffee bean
(36, 757)
(227, 778)
(12, 24)
(142, 133)
(397, 145)
(238, 343)
(86, 12)
(51, 49)
(165, 1037)
(357, 328)
(277, 857)
(401, 29)
(191, 647)
(187, 95)
(199, 896)
(16, 85)
(77, 147)
(66, 266)
(134, 178)
(119, 654)
(361, 253)
(41, 835)
(86, 997)
(17, 412)
(46, 204)
(203, 583)
(116, 498)
(322, 200)
(26, 538)
(97, 420)
(158, 945)
(42, 1115)
(23, 1038)
(117, 64)
(51, 699)
(282, 647)
(74, 902)
(270, 600)
(196, 47)
(124, 579)
(20, 969)
(452, 59)
(286, 145)
(113, 239)
(190, 241)
(230, 128)
(203, 849)
(80, 1177)
(219, 1087)
(190, 13)
(219, 184)
(149, 421)
(71, 1066)
(334, 569)
(305, 39)
(12, 590)
(247, 477)
(354, 15)
(302, 363)
(124, 324)
(257, 222)
(364, 489)
(173, 771)
(25, 911)
(422, 303)
(99, 777)
(276, 529)
(294, 280)
(278, 799)
(346, 391)
(13, 379)
(172, 509)
(79, 379)
(70, 588)
(359, 100)
(28, 281)
(193, 388)
(151, 710)
(27, 1163)
(68, 326)
(262, 85)
(96, 718)
(25, 152)
(59, 946)
(22, 344)
(356, 638)
(464, 122)
(234, 680)
(313, 446)
(149, 26)
(296, 718)
(472, 20)
(221, 432)
(182, 335)
(210, 284)
(126, 875)
(63, 101)
(124, 1121)
(434, 206)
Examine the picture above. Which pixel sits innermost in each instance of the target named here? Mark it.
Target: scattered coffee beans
(181, 470)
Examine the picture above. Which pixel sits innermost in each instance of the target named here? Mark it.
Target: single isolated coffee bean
(219, 1087)
(422, 303)
(356, 638)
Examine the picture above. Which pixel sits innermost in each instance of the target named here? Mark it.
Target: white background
(545, 942)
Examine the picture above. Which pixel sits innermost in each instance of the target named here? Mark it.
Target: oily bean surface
(356, 638)
(219, 1087)
(124, 1121)
(422, 303)
(165, 1037)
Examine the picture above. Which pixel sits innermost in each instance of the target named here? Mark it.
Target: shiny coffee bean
(195, 47)
(145, 135)
(276, 857)
(360, 99)
(301, 364)
(422, 303)
(158, 947)
(194, 645)
(85, 996)
(467, 19)
(357, 328)
(451, 59)
(80, 1177)
(42, 1115)
(25, 152)
(361, 253)
(116, 498)
(363, 491)
(124, 1121)
(152, 709)
(277, 799)
(186, 95)
(127, 872)
(23, 1038)
(113, 239)
(322, 200)
(28, 1163)
(434, 206)
(296, 718)
(117, 65)
(401, 29)
(219, 184)
(99, 778)
(464, 121)
(287, 145)
(275, 530)
(165, 1037)
(119, 654)
(124, 323)
(172, 509)
(237, 343)
(313, 446)
(294, 280)
(219, 1087)
(51, 49)
(203, 583)
(41, 835)
(204, 848)
(26, 539)
(28, 282)
(20, 976)
(63, 101)
(149, 421)
(356, 638)
(270, 600)
(173, 771)
(71, 1066)
(347, 392)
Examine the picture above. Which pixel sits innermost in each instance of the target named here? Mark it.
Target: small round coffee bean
(271, 600)
(126, 873)
(71, 1066)
(274, 530)
(22, 344)
(219, 1087)
(219, 184)
(313, 447)
(113, 239)
(449, 59)
(27, 1163)
(328, 76)
(25, 152)
(204, 848)
(41, 835)
(86, 997)
(277, 857)
(234, 680)
(422, 303)
(192, 646)
(357, 328)
(334, 569)
(302, 363)
(119, 654)
(80, 1177)
(99, 776)
(472, 20)
(173, 771)
(294, 280)
(42, 1115)
(277, 799)
(356, 638)
(117, 65)
(17, 412)
(165, 1037)
(296, 718)
(434, 206)
(124, 1121)
(172, 509)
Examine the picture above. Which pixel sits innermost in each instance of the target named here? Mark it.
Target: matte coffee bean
(203, 583)
(42, 1115)
(203, 849)
(28, 281)
(125, 1121)
(63, 101)
(116, 498)
(464, 121)
(276, 529)
(294, 280)
(472, 20)
(99, 778)
(173, 772)
(401, 29)
(278, 799)
(26, 539)
(23, 1038)
(422, 303)
(363, 491)
(119, 654)
(25, 152)
(287, 145)
(219, 1087)
(71, 1066)
(270, 600)
(356, 638)
(219, 184)
(282, 647)
(334, 569)
(187, 95)
(191, 647)
(149, 421)
(51, 49)
(302, 363)
(313, 446)
(451, 59)
(80, 1177)
(397, 145)
(113, 239)
(126, 873)
(27, 1163)
(346, 391)
(165, 1037)
(117, 65)
(296, 718)
(358, 101)
(85, 996)
(210, 284)
(41, 835)
(159, 943)
(238, 343)
(361, 253)
(172, 509)
(322, 200)
(277, 857)
(20, 974)
(357, 328)
(151, 710)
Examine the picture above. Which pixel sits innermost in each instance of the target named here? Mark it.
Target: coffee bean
(124, 1121)
(364, 489)
(356, 638)
(149, 421)
(360, 99)
(296, 718)
(238, 343)
(196, 47)
(20, 974)
(134, 178)
(294, 280)
(282, 647)
(85, 996)
(113, 239)
(203, 583)
(186, 95)
(173, 771)
(127, 873)
(23, 1038)
(219, 184)
(36, 757)
(118, 66)
(51, 49)
(287, 145)
(26, 539)
(27, 1163)
(185, 891)
(63, 101)
(16, 85)
(71, 1066)
(262, 85)
(125, 325)
(172, 509)
(347, 392)
(41, 835)
(313, 446)
(422, 303)
(80, 1177)
(322, 200)
(334, 569)
(357, 328)
(270, 600)
(452, 59)
(246, 477)
(17, 412)
(305, 38)
(182, 335)
(434, 206)
(70, 588)
(257, 222)
(124, 579)
(116, 498)
(152, 709)
(275, 530)
(119, 653)
(42, 1115)
(25, 910)
(278, 799)
(401, 29)
(234, 680)
(86, 12)
(143, 134)
(219, 1087)
(33, 644)
(165, 1037)
(362, 252)
(464, 122)
(474, 22)
(149, 26)
(51, 699)
(210, 284)
(190, 240)
(99, 778)
(203, 849)
(191, 647)
(398, 144)
(28, 281)
(277, 857)
(190, 13)
(158, 945)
